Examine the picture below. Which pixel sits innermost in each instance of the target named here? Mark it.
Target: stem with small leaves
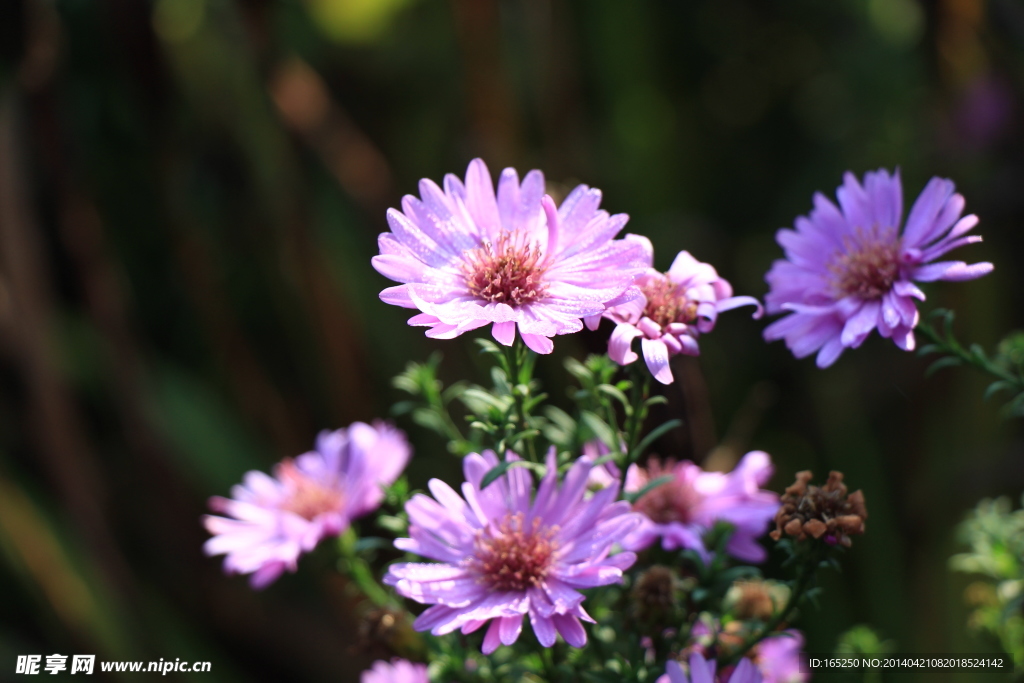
(641, 389)
(956, 354)
(520, 387)
(805, 577)
(360, 571)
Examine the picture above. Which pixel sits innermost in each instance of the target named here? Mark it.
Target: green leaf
(656, 401)
(947, 362)
(371, 543)
(653, 436)
(651, 485)
(502, 467)
(487, 346)
(600, 429)
(479, 400)
(560, 418)
(617, 394)
(929, 348)
(996, 387)
(579, 371)
(393, 523)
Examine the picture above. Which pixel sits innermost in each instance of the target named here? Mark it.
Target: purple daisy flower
(398, 671)
(468, 258)
(676, 307)
(778, 658)
(271, 521)
(850, 270)
(703, 671)
(682, 510)
(503, 557)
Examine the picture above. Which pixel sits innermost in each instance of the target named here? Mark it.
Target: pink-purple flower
(778, 658)
(270, 521)
(502, 556)
(850, 269)
(682, 510)
(467, 257)
(398, 671)
(675, 309)
(703, 671)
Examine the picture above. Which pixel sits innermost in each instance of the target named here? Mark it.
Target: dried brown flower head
(820, 511)
(755, 599)
(654, 595)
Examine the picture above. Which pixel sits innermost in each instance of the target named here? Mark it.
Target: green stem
(452, 430)
(952, 347)
(515, 367)
(360, 572)
(641, 388)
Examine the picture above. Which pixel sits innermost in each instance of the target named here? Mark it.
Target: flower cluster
(527, 536)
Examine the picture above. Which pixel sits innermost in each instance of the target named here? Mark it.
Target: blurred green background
(190, 194)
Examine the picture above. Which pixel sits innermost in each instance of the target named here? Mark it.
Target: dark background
(190, 194)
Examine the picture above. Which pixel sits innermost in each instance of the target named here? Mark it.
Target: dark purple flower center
(675, 501)
(306, 497)
(666, 303)
(869, 265)
(506, 271)
(516, 556)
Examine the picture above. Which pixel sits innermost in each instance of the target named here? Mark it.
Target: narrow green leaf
(656, 401)
(615, 393)
(996, 387)
(600, 428)
(579, 371)
(560, 418)
(502, 467)
(487, 346)
(947, 362)
(653, 436)
(651, 485)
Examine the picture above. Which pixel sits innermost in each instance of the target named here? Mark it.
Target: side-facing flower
(271, 521)
(682, 510)
(467, 258)
(398, 671)
(676, 307)
(703, 671)
(502, 556)
(849, 269)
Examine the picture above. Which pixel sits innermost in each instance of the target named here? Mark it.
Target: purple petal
(952, 270)
(504, 333)
(620, 342)
(538, 343)
(570, 629)
(656, 356)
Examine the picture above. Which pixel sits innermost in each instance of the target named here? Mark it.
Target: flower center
(505, 272)
(674, 501)
(516, 556)
(307, 498)
(665, 304)
(869, 265)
